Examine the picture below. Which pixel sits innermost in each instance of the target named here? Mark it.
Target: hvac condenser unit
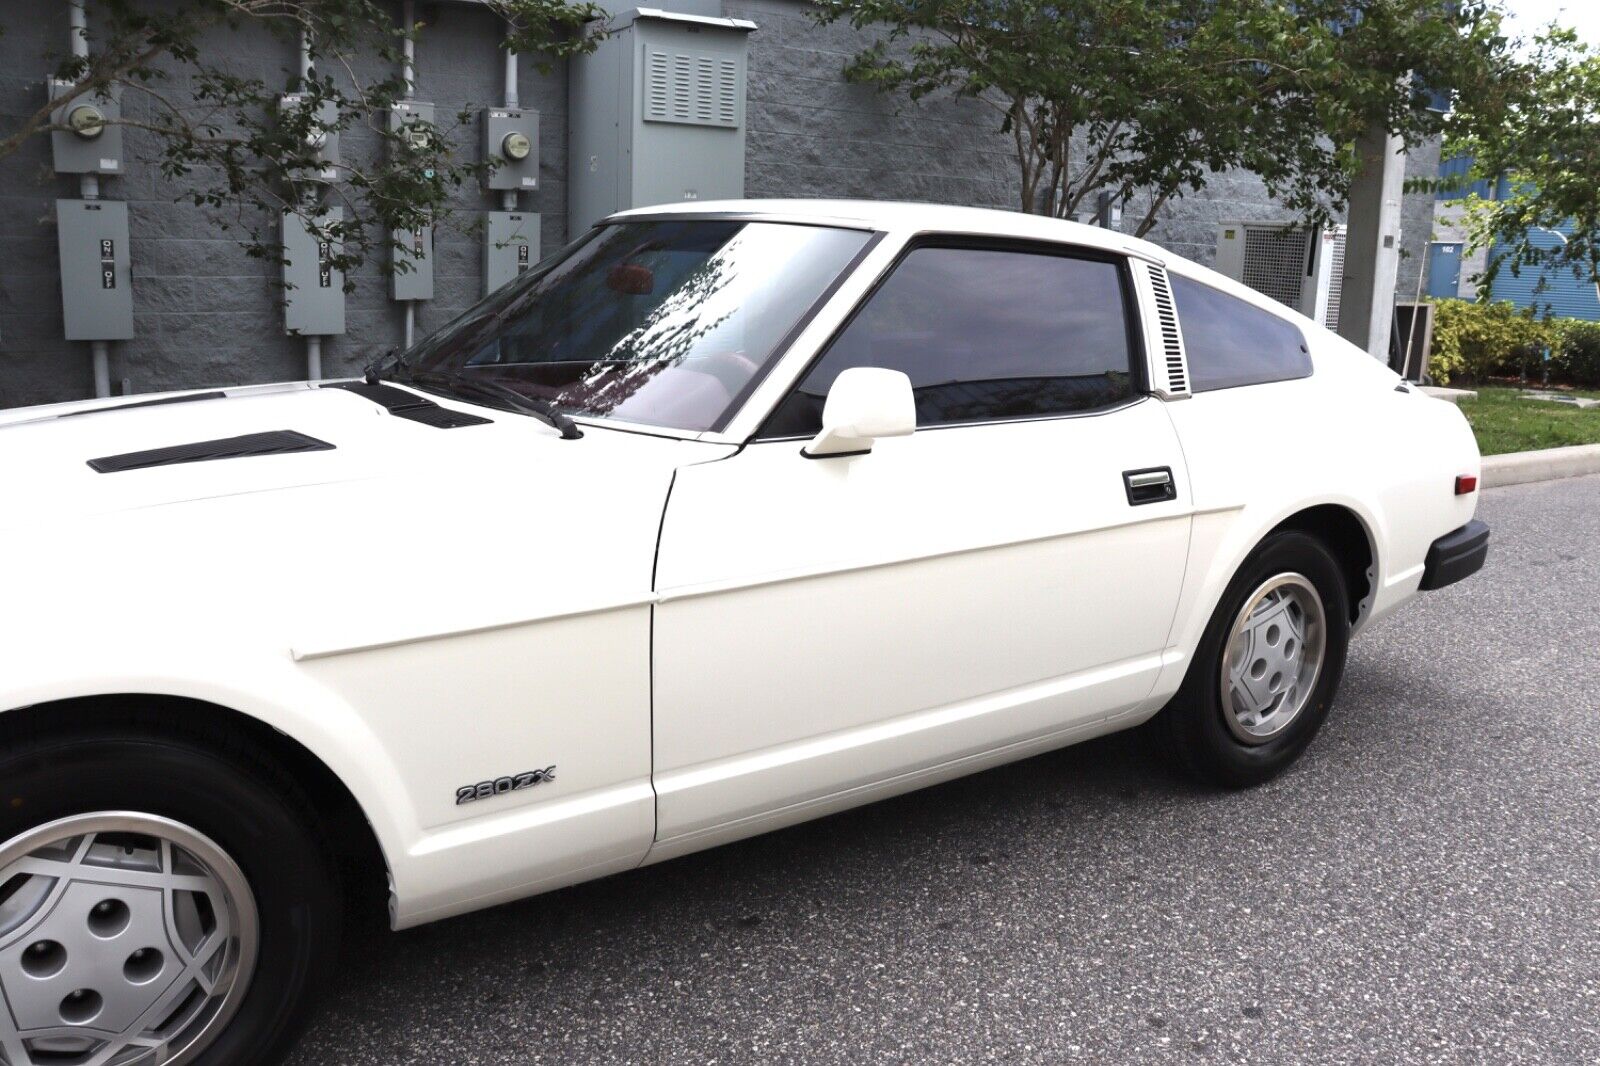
(1300, 267)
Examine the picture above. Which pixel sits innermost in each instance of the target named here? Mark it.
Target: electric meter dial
(86, 121)
(516, 146)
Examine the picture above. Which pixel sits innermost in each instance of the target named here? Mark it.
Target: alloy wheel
(126, 939)
(1273, 657)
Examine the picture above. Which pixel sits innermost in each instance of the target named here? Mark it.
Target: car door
(1005, 575)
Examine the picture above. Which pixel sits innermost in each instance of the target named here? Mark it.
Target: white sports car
(724, 517)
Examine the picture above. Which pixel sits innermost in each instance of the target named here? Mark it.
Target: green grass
(1506, 422)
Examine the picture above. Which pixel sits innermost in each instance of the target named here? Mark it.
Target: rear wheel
(158, 904)
(1267, 668)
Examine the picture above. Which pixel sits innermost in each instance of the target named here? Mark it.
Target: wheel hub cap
(1274, 657)
(125, 940)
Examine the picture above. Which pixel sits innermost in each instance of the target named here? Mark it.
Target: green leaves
(1539, 129)
(222, 137)
(1148, 99)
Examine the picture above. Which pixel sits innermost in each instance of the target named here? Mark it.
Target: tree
(1542, 134)
(1146, 99)
(234, 144)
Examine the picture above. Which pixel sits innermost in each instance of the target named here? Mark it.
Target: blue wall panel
(1561, 293)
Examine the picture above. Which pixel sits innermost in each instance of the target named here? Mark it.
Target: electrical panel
(1301, 268)
(323, 141)
(92, 143)
(96, 274)
(411, 252)
(313, 287)
(512, 246)
(657, 114)
(511, 144)
(411, 118)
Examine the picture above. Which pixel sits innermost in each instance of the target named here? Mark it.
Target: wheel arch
(1348, 537)
(352, 841)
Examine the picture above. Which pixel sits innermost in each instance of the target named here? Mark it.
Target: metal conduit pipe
(408, 72)
(89, 189)
(408, 67)
(508, 197)
(511, 72)
(313, 343)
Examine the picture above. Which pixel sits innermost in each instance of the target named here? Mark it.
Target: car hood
(46, 454)
(400, 532)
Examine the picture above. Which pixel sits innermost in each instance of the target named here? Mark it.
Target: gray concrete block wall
(206, 314)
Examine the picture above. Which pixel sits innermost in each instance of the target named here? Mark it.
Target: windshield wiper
(484, 388)
(376, 370)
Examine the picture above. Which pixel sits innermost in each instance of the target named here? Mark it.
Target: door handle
(1151, 485)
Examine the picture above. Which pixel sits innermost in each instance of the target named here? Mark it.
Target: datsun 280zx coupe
(724, 517)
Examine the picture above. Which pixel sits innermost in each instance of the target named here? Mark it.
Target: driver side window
(986, 335)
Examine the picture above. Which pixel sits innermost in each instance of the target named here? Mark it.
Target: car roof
(904, 215)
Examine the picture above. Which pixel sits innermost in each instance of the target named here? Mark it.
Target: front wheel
(158, 904)
(1267, 668)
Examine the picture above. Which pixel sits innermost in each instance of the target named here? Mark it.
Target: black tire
(246, 806)
(1192, 727)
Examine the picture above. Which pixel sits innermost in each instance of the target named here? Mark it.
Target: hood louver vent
(403, 404)
(1173, 362)
(276, 442)
(193, 397)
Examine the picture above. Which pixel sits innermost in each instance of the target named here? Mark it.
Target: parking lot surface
(1423, 887)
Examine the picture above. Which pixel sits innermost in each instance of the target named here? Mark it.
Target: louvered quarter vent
(1174, 366)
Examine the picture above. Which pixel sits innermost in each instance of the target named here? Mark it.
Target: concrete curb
(1519, 468)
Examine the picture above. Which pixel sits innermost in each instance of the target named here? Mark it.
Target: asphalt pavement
(1423, 887)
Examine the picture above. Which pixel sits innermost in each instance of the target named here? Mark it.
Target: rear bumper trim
(1455, 556)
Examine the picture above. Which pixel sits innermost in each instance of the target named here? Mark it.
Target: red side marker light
(1466, 484)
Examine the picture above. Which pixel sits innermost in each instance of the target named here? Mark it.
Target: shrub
(1473, 340)
(1578, 360)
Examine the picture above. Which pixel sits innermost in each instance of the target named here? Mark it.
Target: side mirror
(865, 403)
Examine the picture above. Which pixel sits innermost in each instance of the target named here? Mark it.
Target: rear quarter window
(1232, 343)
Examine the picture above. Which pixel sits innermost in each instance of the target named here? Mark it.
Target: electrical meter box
(511, 143)
(323, 141)
(512, 246)
(657, 114)
(411, 119)
(92, 143)
(313, 287)
(96, 276)
(412, 252)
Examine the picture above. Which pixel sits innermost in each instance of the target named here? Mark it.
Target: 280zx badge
(501, 785)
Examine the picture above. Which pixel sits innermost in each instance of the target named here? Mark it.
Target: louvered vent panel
(1171, 339)
(1275, 262)
(693, 88)
(1336, 283)
(657, 83)
(728, 93)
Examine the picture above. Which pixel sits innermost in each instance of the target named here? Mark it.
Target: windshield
(666, 323)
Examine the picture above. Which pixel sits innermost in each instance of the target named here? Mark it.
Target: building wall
(1555, 292)
(206, 314)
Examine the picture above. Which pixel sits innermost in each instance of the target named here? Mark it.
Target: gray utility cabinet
(657, 115)
(93, 142)
(313, 286)
(511, 247)
(96, 281)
